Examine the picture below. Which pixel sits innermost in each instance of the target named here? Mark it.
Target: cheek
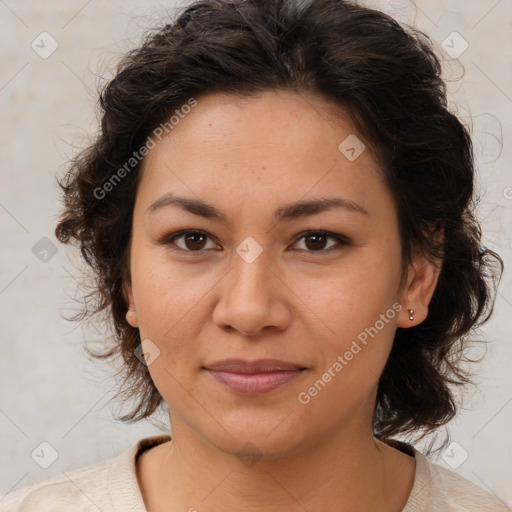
(353, 358)
(350, 297)
(358, 323)
(358, 312)
(166, 295)
(173, 306)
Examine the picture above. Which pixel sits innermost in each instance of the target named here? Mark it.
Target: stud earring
(411, 314)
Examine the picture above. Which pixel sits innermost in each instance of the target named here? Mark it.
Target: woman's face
(261, 282)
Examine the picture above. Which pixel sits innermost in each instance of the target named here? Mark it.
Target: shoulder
(80, 489)
(437, 488)
(107, 486)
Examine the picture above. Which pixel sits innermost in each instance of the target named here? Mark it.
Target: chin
(268, 435)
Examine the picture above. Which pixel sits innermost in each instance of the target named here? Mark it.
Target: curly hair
(388, 78)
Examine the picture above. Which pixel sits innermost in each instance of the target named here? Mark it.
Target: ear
(422, 279)
(131, 314)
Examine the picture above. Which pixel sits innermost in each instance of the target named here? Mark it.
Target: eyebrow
(286, 212)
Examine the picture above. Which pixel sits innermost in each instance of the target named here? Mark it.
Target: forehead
(275, 147)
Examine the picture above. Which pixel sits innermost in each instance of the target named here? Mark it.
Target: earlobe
(131, 314)
(421, 284)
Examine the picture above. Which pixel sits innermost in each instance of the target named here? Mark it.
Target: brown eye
(191, 240)
(316, 241)
(194, 241)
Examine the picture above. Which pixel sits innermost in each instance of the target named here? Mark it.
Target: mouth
(254, 377)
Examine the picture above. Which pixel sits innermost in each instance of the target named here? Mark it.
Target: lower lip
(254, 383)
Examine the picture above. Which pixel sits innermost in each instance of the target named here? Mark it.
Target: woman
(278, 212)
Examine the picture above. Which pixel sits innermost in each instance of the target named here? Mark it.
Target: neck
(353, 471)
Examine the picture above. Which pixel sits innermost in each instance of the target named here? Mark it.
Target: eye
(196, 241)
(315, 241)
(192, 240)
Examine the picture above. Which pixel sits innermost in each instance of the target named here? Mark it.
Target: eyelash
(342, 241)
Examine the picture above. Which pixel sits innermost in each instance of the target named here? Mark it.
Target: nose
(252, 298)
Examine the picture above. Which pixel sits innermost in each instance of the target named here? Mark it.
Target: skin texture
(296, 302)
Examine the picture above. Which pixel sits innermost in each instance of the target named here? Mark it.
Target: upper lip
(257, 366)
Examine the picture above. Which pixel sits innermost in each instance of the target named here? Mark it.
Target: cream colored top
(111, 486)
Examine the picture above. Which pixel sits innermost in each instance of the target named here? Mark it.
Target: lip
(256, 366)
(254, 377)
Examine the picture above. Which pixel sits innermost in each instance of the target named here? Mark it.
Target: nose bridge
(251, 268)
(250, 299)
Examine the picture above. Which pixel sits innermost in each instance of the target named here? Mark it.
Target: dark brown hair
(388, 78)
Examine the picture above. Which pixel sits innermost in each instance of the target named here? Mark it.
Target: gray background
(49, 389)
